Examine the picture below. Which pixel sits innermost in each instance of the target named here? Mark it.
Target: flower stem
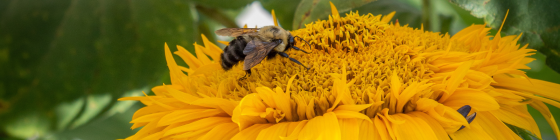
(218, 16)
(426, 13)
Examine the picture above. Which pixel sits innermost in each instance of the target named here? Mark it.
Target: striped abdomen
(233, 53)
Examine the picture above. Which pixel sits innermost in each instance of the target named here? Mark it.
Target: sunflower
(369, 79)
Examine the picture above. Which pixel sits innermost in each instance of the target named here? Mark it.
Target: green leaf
(68, 111)
(539, 22)
(54, 52)
(309, 11)
(114, 127)
(123, 106)
(465, 15)
(284, 10)
(546, 131)
(539, 70)
(526, 135)
(216, 15)
(28, 125)
(95, 103)
(220, 4)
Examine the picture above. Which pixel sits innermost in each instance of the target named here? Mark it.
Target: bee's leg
(299, 49)
(247, 73)
(292, 59)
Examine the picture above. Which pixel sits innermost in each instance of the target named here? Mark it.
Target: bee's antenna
(305, 42)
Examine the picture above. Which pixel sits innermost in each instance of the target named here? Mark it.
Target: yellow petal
(145, 111)
(395, 84)
(310, 110)
(221, 132)
(532, 122)
(294, 133)
(251, 133)
(193, 134)
(211, 49)
(290, 81)
(456, 79)
(227, 42)
(190, 59)
(161, 91)
(181, 96)
(178, 115)
(208, 69)
(448, 117)
(218, 103)
(539, 87)
(321, 127)
(155, 101)
(173, 68)
(534, 97)
(251, 112)
(497, 37)
(202, 124)
(283, 103)
(251, 102)
(153, 136)
(350, 128)
(355, 108)
(274, 18)
(265, 93)
(541, 107)
(407, 94)
(440, 133)
(367, 131)
(380, 129)
(334, 11)
(476, 132)
(494, 127)
(478, 100)
(274, 132)
(150, 117)
(388, 17)
(201, 55)
(350, 115)
(385, 125)
(512, 118)
(145, 131)
(412, 128)
(332, 126)
(467, 32)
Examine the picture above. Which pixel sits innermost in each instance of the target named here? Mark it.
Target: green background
(63, 63)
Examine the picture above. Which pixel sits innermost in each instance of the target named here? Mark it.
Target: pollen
(360, 63)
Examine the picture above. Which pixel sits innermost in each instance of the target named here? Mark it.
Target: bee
(252, 45)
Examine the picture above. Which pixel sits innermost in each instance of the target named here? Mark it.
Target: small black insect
(464, 110)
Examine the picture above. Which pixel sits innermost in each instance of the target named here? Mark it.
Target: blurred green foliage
(64, 63)
(539, 22)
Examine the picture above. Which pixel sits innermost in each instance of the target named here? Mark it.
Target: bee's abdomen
(233, 53)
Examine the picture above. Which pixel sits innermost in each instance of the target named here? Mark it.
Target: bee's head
(290, 41)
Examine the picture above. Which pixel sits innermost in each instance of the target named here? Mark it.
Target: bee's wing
(252, 45)
(256, 51)
(234, 32)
